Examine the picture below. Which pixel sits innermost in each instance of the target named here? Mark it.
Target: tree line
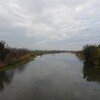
(9, 56)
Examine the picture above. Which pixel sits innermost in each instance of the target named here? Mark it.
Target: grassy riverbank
(13, 56)
(13, 62)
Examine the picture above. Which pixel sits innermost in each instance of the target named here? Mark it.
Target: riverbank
(24, 59)
(14, 56)
(15, 63)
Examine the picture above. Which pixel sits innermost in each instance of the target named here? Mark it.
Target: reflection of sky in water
(49, 77)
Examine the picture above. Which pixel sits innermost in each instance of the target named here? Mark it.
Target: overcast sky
(50, 24)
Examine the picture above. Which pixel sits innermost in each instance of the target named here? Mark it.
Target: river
(50, 77)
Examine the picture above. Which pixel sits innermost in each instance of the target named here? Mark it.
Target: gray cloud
(47, 24)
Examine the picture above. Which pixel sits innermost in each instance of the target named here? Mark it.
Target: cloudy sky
(50, 24)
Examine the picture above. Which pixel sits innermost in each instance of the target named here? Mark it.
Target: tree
(2, 50)
(91, 55)
(89, 52)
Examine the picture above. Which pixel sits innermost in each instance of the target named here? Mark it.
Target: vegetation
(91, 74)
(12, 56)
(2, 50)
(91, 56)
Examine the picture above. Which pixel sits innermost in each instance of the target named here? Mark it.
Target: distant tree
(2, 50)
(98, 56)
(89, 52)
(91, 55)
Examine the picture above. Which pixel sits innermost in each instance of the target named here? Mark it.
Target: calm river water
(50, 77)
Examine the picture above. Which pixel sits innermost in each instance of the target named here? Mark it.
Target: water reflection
(91, 74)
(7, 76)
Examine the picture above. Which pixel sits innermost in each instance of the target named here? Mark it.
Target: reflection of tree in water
(22, 67)
(5, 78)
(91, 74)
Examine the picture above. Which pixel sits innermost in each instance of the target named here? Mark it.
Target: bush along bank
(11, 56)
(91, 56)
